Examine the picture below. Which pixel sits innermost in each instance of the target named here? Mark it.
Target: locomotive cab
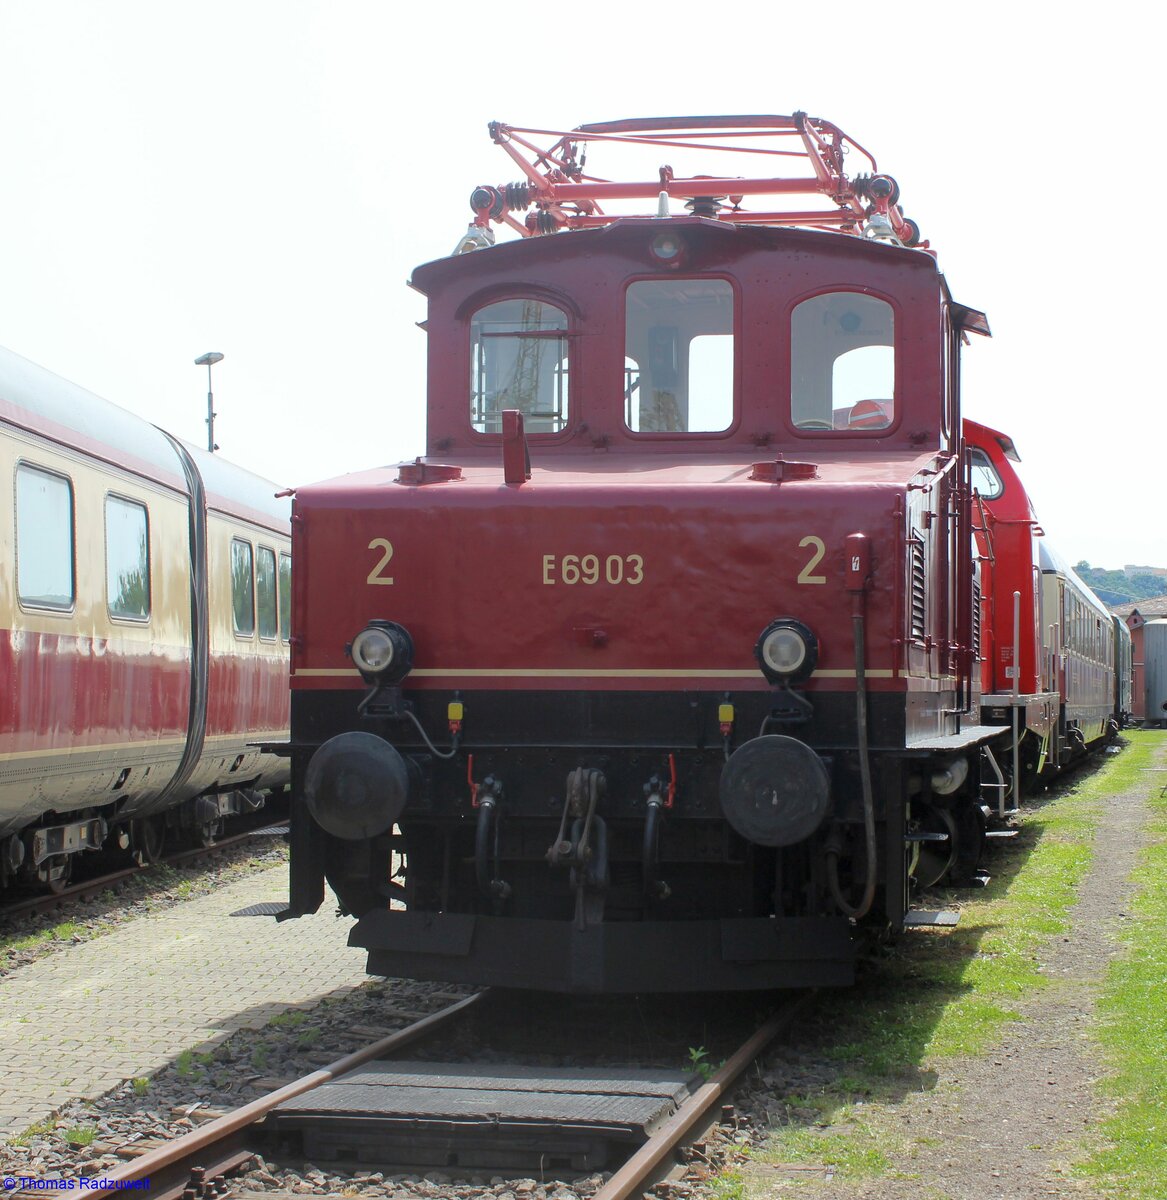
(657, 671)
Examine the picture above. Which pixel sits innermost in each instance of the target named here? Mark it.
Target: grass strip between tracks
(1133, 1030)
(937, 995)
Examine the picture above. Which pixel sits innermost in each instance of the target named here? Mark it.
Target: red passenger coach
(659, 670)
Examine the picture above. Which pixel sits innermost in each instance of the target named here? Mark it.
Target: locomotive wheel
(970, 844)
(147, 837)
(206, 833)
(55, 873)
(1029, 753)
(930, 861)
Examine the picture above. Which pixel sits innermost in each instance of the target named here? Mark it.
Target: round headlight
(383, 652)
(786, 651)
(666, 247)
(373, 651)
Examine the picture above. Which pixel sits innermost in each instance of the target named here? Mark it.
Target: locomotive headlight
(383, 652)
(667, 248)
(787, 651)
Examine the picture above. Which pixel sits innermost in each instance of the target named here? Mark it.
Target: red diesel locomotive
(144, 610)
(659, 670)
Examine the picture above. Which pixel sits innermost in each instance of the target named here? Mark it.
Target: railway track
(201, 1163)
(87, 889)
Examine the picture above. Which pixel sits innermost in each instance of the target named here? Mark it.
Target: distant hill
(1117, 587)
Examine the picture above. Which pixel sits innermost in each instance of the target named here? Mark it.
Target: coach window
(286, 597)
(842, 363)
(518, 359)
(45, 575)
(242, 587)
(127, 559)
(265, 593)
(678, 364)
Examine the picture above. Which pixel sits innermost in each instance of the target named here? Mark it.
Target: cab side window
(842, 363)
(518, 359)
(242, 587)
(45, 573)
(985, 479)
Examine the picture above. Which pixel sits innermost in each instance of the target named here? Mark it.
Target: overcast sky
(260, 178)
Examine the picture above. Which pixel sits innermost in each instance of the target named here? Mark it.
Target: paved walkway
(80, 1021)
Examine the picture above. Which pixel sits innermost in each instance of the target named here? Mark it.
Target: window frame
(261, 549)
(657, 435)
(244, 635)
(63, 610)
(284, 588)
(978, 456)
(474, 305)
(897, 396)
(136, 503)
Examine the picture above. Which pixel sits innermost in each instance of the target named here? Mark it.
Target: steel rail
(218, 1146)
(647, 1162)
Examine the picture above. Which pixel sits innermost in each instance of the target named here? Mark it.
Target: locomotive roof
(573, 242)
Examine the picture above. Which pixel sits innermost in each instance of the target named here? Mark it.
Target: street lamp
(208, 360)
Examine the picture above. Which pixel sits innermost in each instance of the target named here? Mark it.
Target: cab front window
(518, 359)
(679, 356)
(842, 357)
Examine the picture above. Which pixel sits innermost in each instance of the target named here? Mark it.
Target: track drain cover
(483, 1115)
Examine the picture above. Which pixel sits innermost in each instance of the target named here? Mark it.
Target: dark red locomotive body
(659, 671)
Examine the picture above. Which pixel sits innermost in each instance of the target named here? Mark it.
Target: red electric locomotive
(659, 670)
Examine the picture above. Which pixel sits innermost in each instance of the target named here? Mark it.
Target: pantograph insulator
(542, 222)
(511, 197)
(705, 206)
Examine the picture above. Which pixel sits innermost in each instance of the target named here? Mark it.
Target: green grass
(853, 1148)
(934, 996)
(64, 932)
(1132, 1027)
(37, 1129)
(730, 1186)
(292, 1017)
(81, 1135)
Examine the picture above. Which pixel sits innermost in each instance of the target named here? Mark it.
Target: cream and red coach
(657, 671)
(142, 646)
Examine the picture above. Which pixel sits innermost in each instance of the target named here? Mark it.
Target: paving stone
(80, 1021)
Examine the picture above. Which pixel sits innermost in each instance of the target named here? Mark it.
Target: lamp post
(208, 360)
